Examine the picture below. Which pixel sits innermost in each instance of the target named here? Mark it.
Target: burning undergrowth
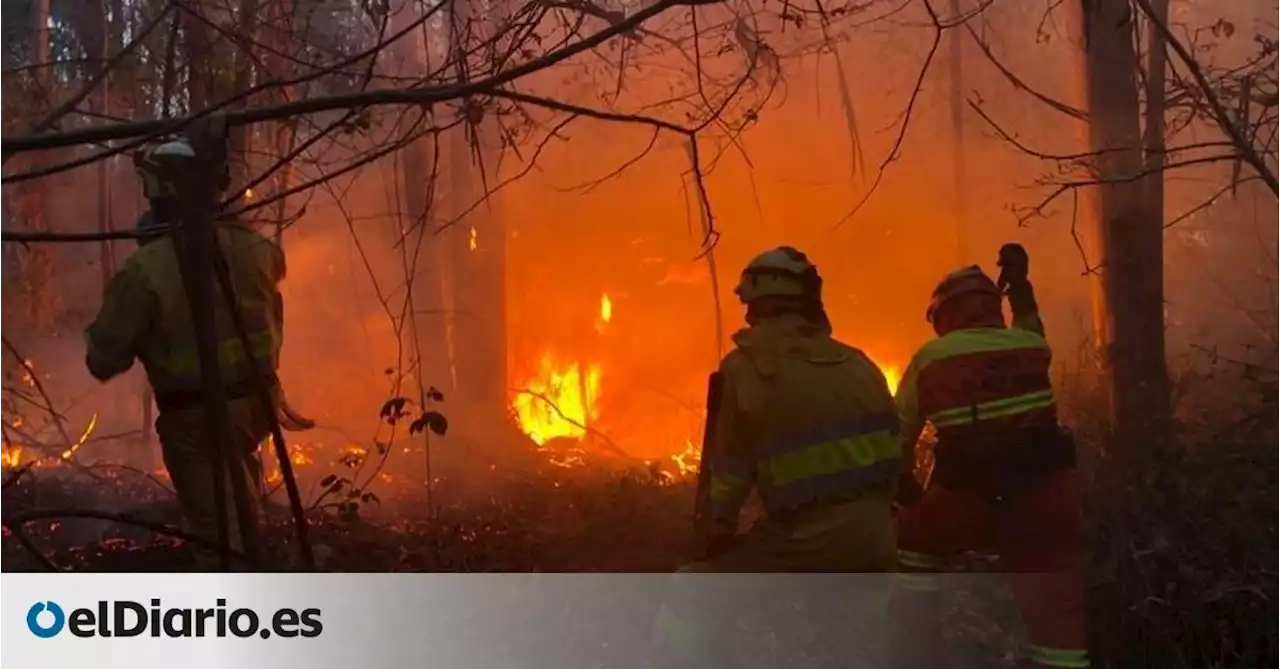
(545, 519)
(546, 505)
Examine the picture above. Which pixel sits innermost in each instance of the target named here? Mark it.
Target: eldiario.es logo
(125, 618)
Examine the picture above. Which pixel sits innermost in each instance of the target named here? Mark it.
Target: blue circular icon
(50, 630)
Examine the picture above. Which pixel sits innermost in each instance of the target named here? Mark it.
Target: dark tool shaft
(715, 387)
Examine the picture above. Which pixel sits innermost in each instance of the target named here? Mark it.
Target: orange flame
(893, 375)
(606, 313)
(688, 460)
(471, 243)
(10, 456)
(559, 402)
(84, 437)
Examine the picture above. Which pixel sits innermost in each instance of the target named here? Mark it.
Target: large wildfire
(561, 402)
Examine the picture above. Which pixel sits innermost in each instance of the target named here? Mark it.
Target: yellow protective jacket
(144, 314)
(804, 419)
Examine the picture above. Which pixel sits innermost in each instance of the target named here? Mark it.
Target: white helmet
(779, 272)
(155, 170)
(178, 147)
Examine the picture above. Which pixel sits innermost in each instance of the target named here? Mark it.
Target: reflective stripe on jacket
(184, 361)
(804, 419)
(977, 382)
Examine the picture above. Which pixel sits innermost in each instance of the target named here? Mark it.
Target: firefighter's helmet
(156, 167)
(779, 272)
(969, 280)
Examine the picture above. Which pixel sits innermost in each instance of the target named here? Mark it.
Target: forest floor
(1183, 543)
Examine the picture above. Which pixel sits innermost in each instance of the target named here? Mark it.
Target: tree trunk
(1153, 130)
(201, 65)
(40, 294)
(100, 44)
(477, 242)
(425, 254)
(1131, 234)
(242, 135)
(285, 136)
(959, 178)
(103, 103)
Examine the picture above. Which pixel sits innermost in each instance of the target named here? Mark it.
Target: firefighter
(145, 315)
(807, 422)
(1004, 473)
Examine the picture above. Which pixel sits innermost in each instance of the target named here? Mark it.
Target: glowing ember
(472, 241)
(568, 459)
(606, 314)
(27, 380)
(11, 454)
(88, 430)
(297, 453)
(559, 402)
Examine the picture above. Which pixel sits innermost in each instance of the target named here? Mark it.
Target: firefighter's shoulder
(857, 357)
(748, 361)
(152, 256)
(735, 362)
(933, 350)
(976, 340)
(242, 234)
(247, 237)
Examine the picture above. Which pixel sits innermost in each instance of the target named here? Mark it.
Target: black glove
(1014, 266)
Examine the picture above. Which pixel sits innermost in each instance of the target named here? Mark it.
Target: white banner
(493, 621)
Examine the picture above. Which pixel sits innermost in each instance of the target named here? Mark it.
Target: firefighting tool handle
(702, 501)
(213, 139)
(1014, 266)
(194, 236)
